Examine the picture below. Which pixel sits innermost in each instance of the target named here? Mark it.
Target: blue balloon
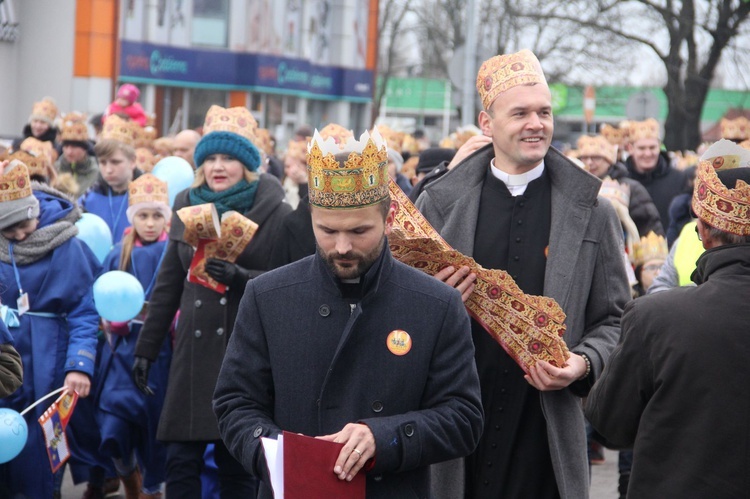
(13, 434)
(118, 296)
(95, 232)
(176, 172)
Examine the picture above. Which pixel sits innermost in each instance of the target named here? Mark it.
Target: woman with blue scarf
(227, 177)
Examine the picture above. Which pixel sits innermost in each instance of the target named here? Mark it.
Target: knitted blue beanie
(228, 143)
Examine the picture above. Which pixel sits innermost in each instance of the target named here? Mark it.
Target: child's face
(117, 170)
(21, 230)
(39, 127)
(122, 102)
(149, 223)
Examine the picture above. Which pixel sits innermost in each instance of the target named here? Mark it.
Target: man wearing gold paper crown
(676, 387)
(374, 354)
(651, 166)
(519, 205)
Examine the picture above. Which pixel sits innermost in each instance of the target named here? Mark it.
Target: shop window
(199, 102)
(210, 25)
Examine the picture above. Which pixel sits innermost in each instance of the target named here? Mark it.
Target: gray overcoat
(585, 274)
(206, 318)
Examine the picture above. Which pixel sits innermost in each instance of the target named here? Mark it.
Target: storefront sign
(164, 65)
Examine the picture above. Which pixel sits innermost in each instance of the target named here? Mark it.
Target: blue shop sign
(165, 65)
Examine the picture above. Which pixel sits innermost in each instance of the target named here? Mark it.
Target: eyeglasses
(652, 267)
(698, 233)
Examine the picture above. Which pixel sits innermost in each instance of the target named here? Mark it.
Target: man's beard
(360, 263)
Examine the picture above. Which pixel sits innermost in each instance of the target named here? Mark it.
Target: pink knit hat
(129, 92)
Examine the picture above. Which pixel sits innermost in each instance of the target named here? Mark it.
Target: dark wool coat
(663, 184)
(206, 318)
(641, 208)
(295, 239)
(676, 387)
(584, 274)
(317, 365)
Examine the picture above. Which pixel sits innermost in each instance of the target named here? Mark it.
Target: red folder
(308, 470)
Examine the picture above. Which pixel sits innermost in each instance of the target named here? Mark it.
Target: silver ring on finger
(359, 453)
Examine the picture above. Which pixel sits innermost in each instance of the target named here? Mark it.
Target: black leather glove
(140, 370)
(227, 273)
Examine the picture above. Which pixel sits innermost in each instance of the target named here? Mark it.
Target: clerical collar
(517, 184)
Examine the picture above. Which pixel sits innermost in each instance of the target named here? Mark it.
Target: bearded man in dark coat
(372, 354)
(676, 387)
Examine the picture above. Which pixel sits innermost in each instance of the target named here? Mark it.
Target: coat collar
(733, 259)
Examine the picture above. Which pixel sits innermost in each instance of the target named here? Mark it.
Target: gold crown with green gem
(359, 180)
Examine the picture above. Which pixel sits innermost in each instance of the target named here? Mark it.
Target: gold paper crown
(42, 149)
(75, 131)
(737, 129)
(615, 191)
(392, 138)
(745, 144)
(596, 146)
(713, 202)
(297, 149)
(647, 129)
(410, 145)
(144, 159)
(361, 180)
(504, 72)
(338, 132)
(464, 133)
(651, 247)
(15, 182)
(45, 110)
(116, 128)
(237, 120)
(614, 135)
(145, 137)
(35, 163)
(263, 141)
(147, 189)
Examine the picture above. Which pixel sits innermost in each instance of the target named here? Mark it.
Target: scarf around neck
(240, 197)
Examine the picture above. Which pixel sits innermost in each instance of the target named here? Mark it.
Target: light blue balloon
(13, 434)
(176, 172)
(95, 232)
(118, 296)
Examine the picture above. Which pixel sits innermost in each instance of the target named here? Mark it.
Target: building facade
(291, 62)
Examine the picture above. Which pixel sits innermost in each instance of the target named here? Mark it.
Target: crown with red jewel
(361, 179)
(504, 72)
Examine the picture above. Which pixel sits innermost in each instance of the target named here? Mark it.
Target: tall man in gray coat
(521, 206)
(350, 345)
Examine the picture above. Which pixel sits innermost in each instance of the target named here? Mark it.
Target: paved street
(603, 483)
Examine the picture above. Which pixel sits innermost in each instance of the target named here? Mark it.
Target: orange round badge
(398, 342)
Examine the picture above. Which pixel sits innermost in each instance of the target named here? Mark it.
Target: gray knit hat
(17, 201)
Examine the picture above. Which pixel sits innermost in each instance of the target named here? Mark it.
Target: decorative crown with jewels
(503, 72)
(359, 180)
(651, 247)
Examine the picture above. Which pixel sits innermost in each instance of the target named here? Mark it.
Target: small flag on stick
(54, 421)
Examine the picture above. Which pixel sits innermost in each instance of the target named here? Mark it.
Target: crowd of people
(296, 316)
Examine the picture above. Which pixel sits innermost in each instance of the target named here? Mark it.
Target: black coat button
(408, 430)
(377, 406)
(520, 222)
(258, 432)
(324, 310)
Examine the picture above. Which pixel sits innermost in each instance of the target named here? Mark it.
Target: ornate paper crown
(116, 128)
(737, 129)
(35, 163)
(15, 182)
(147, 189)
(75, 131)
(614, 135)
(145, 138)
(720, 207)
(338, 132)
(45, 110)
(596, 146)
(361, 180)
(651, 247)
(615, 191)
(503, 72)
(144, 159)
(263, 141)
(647, 129)
(392, 138)
(237, 120)
(42, 149)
